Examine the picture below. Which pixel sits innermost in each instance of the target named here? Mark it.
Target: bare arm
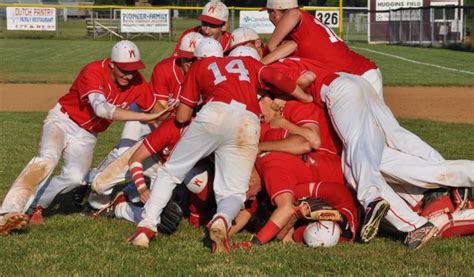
(293, 144)
(308, 131)
(184, 113)
(287, 23)
(286, 48)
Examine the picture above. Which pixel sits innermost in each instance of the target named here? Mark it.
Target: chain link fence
(433, 26)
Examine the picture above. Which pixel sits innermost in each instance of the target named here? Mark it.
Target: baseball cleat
(420, 236)
(12, 221)
(141, 237)
(374, 213)
(108, 210)
(37, 216)
(219, 235)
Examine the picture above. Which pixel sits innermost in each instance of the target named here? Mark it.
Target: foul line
(416, 62)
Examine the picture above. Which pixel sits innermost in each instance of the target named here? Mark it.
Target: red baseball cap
(126, 56)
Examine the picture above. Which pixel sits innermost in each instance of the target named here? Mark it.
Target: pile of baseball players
(290, 139)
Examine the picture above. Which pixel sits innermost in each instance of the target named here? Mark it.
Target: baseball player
(307, 31)
(227, 125)
(287, 177)
(166, 84)
(100, 94)
(213, 25)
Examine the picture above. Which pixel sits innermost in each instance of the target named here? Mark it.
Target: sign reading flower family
(31, 19)
(145, 21)
(256, 20)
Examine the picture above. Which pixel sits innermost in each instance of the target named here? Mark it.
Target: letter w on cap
(212, 9)
(131, 53)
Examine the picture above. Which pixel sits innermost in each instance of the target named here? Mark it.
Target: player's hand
(277, 122)
(144, 193)
(312, 137)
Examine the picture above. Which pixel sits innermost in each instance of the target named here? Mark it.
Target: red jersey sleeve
(275, 79)
(190, 95)
(160, 137)
(91, 81)
(145, 98)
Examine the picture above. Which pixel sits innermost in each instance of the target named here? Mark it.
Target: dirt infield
(453, 104)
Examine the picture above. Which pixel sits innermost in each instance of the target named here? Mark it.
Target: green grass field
(71, 244)
(59, 61)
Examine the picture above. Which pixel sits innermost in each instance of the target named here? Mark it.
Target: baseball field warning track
(448, 104)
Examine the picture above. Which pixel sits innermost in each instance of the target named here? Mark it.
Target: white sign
(31, 19)
(145, 21)
(385, 5)
(329, 18)
(256, 20)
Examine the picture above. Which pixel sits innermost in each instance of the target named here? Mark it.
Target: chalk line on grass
(415, 62)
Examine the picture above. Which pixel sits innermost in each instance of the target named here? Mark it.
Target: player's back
(229, 78)
(319, 42)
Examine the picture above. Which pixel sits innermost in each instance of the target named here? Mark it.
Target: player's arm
(135, 164)
(287, 23)
(292, 144)
(106, 110)
(183, 114)
(309, 131)
(286, 48)
(275, 78)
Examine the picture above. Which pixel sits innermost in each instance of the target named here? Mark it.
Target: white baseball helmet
(322, 233)
(126, 56)
(197, 178)
(188, 44)
(245, 51)
(242, 35)
(281, 4)
(208, 47)
(214, 12)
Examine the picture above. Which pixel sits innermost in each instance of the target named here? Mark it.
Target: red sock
(268, 231)
(298, 235)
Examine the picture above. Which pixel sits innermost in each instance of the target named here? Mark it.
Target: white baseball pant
(132, 132)
(402, 168)
(60, 136)
(374, 77)
(355, 110)
(231, 133)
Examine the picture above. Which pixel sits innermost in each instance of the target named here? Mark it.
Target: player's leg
(77, 157)
(374, 77)
(400, 138)
(200, 140)
(349, 108)
(38, 170)
(456, 224)
(234, 161)
(409, 169)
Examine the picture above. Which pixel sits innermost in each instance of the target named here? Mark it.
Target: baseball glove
(317, 209)
(310, 209)
(170, 218)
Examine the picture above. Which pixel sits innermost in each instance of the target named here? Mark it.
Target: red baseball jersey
(225, 39)
(224, 79)
(319, 42)
(163, 139)
(166, 80)
(293, 67)
(95, 78)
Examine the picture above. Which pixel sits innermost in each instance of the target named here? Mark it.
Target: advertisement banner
(31, 18)
(145, 21)
(385, 5)
(256, 20)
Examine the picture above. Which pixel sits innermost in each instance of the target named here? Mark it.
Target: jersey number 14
(233, 67)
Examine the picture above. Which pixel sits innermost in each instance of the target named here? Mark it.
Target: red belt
(66, 114)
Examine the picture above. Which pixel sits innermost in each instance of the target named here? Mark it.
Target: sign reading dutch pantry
(31, 18)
